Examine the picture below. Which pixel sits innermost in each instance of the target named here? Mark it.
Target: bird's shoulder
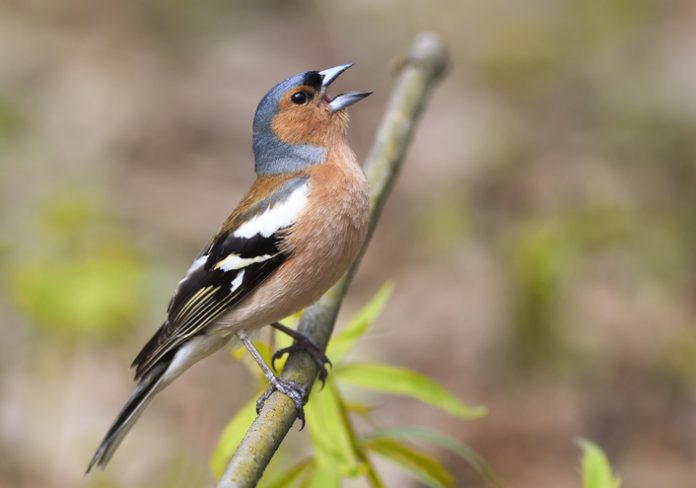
(266, 192)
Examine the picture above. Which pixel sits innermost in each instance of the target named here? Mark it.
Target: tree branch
(418, 73)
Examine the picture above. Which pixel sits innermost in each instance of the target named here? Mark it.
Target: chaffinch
(290, 238)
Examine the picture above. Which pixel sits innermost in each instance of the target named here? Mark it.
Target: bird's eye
(299, 97)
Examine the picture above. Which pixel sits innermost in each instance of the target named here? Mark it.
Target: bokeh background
(541, 237)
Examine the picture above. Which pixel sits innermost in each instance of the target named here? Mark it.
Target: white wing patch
(197, 264)
(237, 281)
(281, 215)
(194, 267)
(234, 261)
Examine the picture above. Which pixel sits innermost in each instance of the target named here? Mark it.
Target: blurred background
(541, 237)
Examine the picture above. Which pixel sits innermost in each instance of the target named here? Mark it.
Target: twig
(417, 75)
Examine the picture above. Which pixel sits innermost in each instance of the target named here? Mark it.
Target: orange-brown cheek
(301, 125)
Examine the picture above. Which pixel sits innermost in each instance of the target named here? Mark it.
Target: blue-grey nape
(273, 156)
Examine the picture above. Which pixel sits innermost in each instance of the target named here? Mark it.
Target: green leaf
(596, 470)
(232, 436)
(324, 477)
(341, 344)
(330, 432)
(401, 381)
(358, 408)
(451, 444)
(288, 477)
(422, 465)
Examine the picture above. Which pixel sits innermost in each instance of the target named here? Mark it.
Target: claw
(262, 399)
(303, 343)
(279, 354)
(296, 392)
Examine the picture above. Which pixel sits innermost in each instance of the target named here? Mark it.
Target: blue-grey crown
(271, 154)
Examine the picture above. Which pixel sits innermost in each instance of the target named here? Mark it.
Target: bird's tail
(130, 412)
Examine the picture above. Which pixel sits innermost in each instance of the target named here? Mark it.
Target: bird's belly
(322, 246)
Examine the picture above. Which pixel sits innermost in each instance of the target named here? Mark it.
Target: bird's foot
(296, 392)
(303, 343)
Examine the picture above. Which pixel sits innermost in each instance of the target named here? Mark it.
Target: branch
(418, 73)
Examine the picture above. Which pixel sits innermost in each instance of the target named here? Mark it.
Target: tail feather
(165, 370)
(130, 412)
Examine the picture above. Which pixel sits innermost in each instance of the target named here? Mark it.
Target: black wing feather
(207, 291)
(245, 248)
(205, 294)
(202, 297)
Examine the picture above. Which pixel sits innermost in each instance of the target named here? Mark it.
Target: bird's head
(296, 122)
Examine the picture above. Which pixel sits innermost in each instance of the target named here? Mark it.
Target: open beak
(344, 99)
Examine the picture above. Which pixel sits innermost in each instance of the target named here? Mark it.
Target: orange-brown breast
(323, 242)
(330, 232)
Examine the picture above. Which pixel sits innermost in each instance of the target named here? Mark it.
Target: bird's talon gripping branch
(296, 392)
(302, 343)
(262, 399)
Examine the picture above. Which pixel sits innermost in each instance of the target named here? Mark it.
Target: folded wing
(238, 259)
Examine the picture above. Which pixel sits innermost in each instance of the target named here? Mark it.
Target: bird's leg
(302, 343)
(297, 393)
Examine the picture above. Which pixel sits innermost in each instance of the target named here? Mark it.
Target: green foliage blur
(596, 470)
(339, 451)
(84, 276)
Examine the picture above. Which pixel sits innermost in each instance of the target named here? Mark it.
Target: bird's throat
(273, 156)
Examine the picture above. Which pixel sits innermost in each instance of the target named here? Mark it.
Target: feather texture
(241, 256)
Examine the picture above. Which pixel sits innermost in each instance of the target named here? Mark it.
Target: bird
(290, 238)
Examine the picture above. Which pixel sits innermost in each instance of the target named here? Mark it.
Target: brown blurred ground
(541, 237)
